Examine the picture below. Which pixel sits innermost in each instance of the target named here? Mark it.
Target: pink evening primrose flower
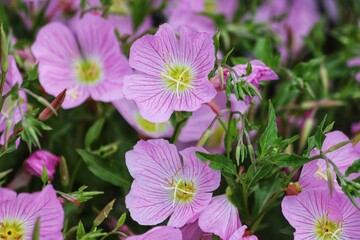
(130, 113)
(18, 214)
(313, 174)
(86, 61)
(173, 72)
(35, 163)
(316, 215)
(159, 233)
(221, 217)
(164, 185)
(242, 234)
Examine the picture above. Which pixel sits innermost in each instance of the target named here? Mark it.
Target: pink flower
(173, 73)
(35, 163)
(159, 233)
(87, 62)
(242, 234)
(13, 109)
(260, 72)
(192, 231)
(130, 113)
(313, 174)
(315, 215)
(164, 185)
(221, 217)
(18, 214)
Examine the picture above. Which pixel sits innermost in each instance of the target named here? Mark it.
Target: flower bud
(4, 51)
(34, 164)
(55, 105)
(293, 189)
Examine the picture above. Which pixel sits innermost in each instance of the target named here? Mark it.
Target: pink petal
(155, 103)
(148, 202)
(156, 157)
(159, 233)
(55, 49)
(150, 54)
(220, 218)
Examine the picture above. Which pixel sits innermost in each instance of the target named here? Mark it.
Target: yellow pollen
(181, 191)
(178, 78)
(11, 230)
(327, 230)
(88, 71)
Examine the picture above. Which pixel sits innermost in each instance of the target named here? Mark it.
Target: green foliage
(218, 162)
(104, 169)
(270, 135)
(94, 132)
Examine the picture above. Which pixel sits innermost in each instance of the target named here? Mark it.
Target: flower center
(182, 191)
(88, 71)
(178, 78)
(11, 230)
(210, 6)
(150, 126)
(327, 230)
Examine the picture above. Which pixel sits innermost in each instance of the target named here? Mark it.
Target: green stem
(179, 126)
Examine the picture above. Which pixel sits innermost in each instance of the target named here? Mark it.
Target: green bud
(64, 173)
(204, 137)
(4, 51)
(103, 214)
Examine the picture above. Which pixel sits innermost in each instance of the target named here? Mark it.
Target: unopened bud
(55, 105)
(306, 130)
(4, 51)
(64, 172)
(103, 214)
(204, 137)
(330, 179)
(293, 189)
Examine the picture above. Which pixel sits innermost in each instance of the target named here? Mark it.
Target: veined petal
(220, 217)
(55, 49)
(155, 103)
(150, 54)
(155, 158)
(148, 202)
(159, 233)
(205, 178)
(197, 50)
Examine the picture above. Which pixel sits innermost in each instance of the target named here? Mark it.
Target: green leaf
(354, 168)
(80, 231)
(270, 135)
(225, 58)
(33, 73)
(36, 231)
(218, 162)
(139, 9)
(255, 175)
(120, 222)
(104, 169)
(94, 132)
(289, 160)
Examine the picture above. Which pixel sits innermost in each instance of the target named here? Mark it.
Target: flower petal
(159, 233)
(220, 218)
